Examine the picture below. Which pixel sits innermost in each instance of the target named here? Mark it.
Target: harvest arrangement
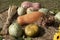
(30, 17)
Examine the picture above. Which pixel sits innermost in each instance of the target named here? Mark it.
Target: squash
(29, 18)
(30, 10)
(21, 11)
(15, 30)
(31, 30)
(36, 5)
(26, 4)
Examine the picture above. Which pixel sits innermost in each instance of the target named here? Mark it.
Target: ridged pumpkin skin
(31, 30)
(15, 30)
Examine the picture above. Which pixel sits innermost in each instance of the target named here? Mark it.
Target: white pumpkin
(57, 17)
(43, 10)
(21, 11)
(15, 30)
(30, 10)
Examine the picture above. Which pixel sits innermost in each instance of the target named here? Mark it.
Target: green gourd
(15, 30)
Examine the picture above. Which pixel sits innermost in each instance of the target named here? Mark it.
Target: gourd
(44, 10)
(57, 17)
(21, 11)
(15, 30)
(29, 18)
(31, 30)
(30, 10)
(36, 5)
(26, 4)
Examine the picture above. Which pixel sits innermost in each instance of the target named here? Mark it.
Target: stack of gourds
(28, 13)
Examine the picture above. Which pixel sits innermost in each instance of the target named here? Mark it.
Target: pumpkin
(31, 29)
(57, 36)
(36, 5)
(15, 30)
(26, 4)
(30, 10)
(21, 11)
(44, 10)
(57, 17)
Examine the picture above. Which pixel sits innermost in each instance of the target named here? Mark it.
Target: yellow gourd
(31, 30)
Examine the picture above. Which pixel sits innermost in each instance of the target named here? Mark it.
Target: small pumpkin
(44, 10)
(21, 11)
(57, 17)
(26, 4)
(57, 36)
(36, 5)
(15, 30)
(31, 30)
(30, 10)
